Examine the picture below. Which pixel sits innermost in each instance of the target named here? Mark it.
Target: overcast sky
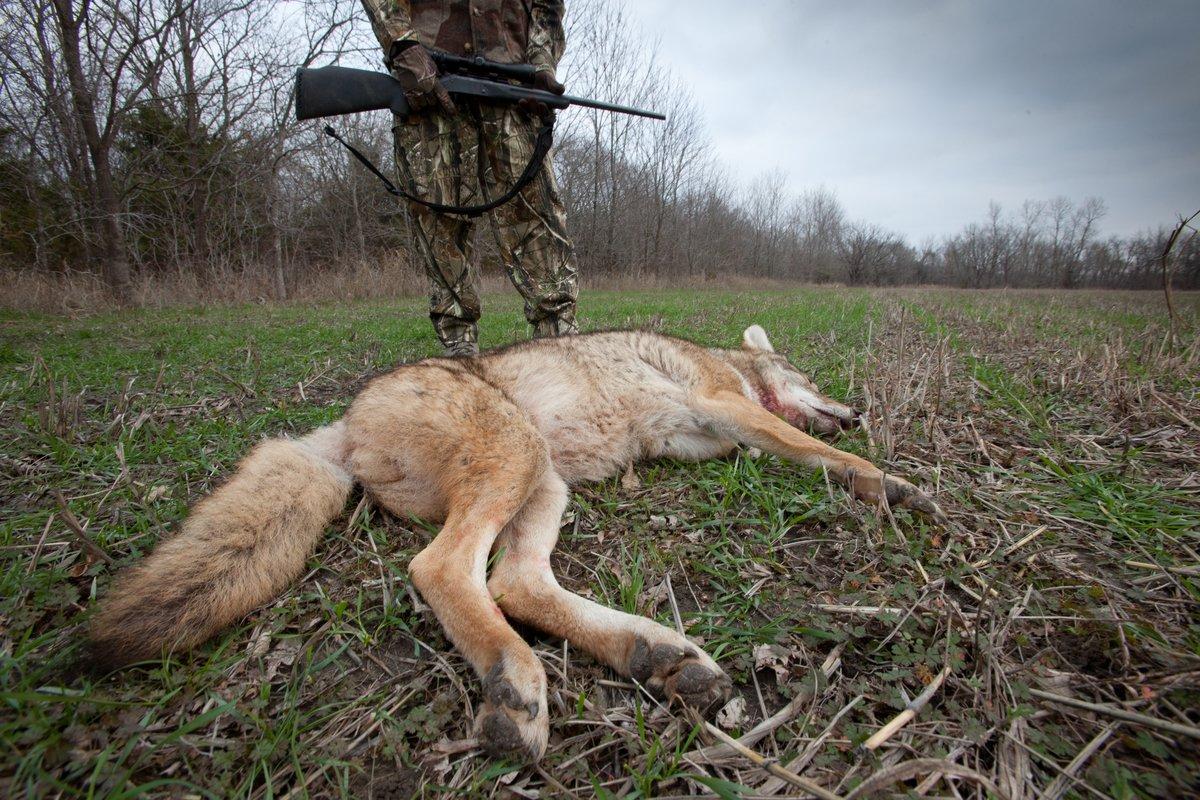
(918, 113)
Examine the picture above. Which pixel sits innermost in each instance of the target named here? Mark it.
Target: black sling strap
(541, 146)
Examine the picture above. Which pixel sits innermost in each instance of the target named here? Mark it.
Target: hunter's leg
(531, 229)
(430, 155)
(524, 586)
(454, 308)
(751, 424)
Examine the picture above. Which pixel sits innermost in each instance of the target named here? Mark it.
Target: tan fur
(238, 549)
(489, 446)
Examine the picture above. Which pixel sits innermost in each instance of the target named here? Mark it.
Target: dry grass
(1045, 643)
(75, 292)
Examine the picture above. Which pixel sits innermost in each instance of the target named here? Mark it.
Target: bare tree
(1027, 239)
(818, 217)
(867, 252)
(999, 246)
(1071, 229)
(112, 50)
(1083, 225)
(766, 211)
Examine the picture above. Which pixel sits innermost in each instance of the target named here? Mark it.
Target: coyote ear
(755, 338)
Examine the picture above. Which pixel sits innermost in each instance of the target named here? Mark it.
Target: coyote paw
(513, 722)
(900, 494)
(684, 673)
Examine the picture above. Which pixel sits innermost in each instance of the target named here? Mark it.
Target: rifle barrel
(637, 112)
(507, 92)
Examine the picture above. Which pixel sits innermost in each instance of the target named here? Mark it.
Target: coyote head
(786, 391)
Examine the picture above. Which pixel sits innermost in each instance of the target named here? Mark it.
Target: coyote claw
(899, 493)
(921, 502)
(902, 494)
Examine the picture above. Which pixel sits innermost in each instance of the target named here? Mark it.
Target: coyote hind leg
(525, 587)
(450, 574)
(436, 441)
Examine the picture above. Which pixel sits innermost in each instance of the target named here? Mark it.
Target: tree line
(146, 139)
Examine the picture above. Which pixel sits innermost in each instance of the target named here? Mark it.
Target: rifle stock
(331, 91)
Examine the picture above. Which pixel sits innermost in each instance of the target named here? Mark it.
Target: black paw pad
(501, 737)
(699, 687)
(498, 691)
(646, 662)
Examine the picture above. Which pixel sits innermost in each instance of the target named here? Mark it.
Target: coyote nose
(851, 423)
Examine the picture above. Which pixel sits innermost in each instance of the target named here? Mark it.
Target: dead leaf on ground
(733, 714)
(772, 657)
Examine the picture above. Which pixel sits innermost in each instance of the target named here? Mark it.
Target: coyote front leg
(525, 587)
(751, 424)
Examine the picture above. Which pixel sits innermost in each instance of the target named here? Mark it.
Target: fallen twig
(904, 717)
(798, 763)
(1171, 409)
(78, 531)
(1061, 783)
(831, 664)
(37, 550)
(911, 769)
(1119, 713)
(1176, 570)
(834, 608)
(769, 764)
(674, 605)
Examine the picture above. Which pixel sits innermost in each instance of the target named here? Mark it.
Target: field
(1049, 634)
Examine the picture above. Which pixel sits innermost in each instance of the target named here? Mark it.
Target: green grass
(345, 686)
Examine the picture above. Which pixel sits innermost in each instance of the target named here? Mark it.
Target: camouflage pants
(467, 159)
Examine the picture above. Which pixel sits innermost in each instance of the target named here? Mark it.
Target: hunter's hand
(544, 80)
(412, 66)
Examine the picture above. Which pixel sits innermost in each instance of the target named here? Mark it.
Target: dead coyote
(490, 445)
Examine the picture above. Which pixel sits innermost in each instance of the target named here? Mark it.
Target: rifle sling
(545, 138)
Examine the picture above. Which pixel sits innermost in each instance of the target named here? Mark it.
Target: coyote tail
(239, 548)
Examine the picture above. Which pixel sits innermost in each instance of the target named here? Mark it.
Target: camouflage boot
(555, 326)
(454, 312)
(461, 350)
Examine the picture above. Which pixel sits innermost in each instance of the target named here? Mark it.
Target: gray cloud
(918, 114)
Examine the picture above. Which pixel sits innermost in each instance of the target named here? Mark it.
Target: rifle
(332, 91)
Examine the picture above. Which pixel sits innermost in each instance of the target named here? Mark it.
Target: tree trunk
(197, 190)
(114, 253)
(280, 285)
(116, 256)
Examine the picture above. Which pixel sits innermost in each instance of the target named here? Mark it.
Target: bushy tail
(239, 548)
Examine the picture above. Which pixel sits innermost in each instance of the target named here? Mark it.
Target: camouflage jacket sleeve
(546, 38)
(391, 20)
